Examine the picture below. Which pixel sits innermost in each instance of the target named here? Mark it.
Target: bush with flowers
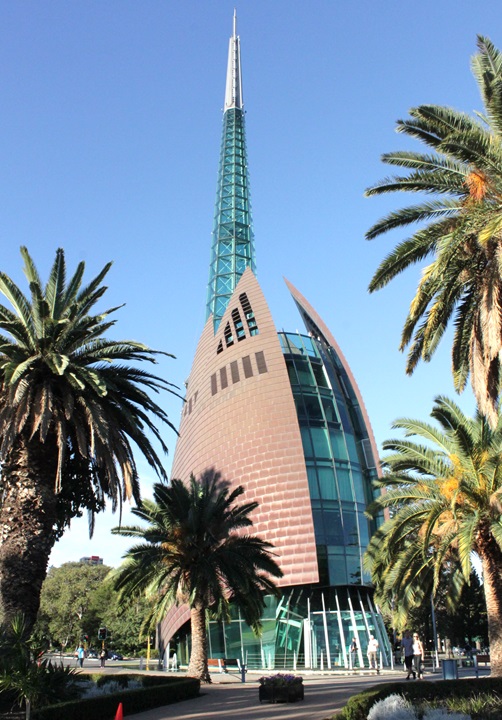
(280, 680)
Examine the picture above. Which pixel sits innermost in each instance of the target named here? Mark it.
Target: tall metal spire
(233, 93)
(233, 247)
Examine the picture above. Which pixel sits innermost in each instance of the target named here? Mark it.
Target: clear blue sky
(109, 147)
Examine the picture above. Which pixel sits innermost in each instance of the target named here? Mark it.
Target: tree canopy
(195, 552)
(74, 408)
(459, 233)
(443, 502)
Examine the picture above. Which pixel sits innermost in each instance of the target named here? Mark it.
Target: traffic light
(102, 633)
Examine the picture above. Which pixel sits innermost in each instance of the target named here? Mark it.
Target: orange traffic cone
(119, 715)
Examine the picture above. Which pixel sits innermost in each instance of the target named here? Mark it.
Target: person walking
(81, 655)
(353, 652)
(407, 647)
(418, 656)
(373, 653)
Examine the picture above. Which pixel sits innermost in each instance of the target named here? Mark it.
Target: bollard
(243, 673)
(476, 666)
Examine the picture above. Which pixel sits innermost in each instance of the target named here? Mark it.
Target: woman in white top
(418, 656)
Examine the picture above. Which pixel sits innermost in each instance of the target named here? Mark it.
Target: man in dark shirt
(407, 646)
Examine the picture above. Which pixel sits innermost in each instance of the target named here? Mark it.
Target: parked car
(115, 656)
(92, 653)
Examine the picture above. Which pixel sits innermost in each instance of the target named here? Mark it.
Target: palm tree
(72, 406)
(193, 553)
(460, 233)
(443, 501)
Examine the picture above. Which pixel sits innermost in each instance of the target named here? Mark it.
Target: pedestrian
(81, 655)
(372, 653)
(407, 646)
(353, 652)
(102, 657)
(418, 656)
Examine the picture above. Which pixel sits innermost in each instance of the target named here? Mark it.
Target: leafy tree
(77, 599)
(123, 621)
(72, 407)
(469, 622)
(67, 600)
(460, 233)
(444, 494)
(193, 553)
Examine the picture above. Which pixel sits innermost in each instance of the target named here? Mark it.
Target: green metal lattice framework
(233, 242)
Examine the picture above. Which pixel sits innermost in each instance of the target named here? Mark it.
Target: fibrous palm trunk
(27, 529)
(491, 560)
(197, 666)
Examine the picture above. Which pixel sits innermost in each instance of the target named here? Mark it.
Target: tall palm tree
(460, 232)
(194, 553)
(443, 499)
(73, 405)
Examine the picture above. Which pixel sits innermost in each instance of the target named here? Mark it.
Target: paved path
(229, 699)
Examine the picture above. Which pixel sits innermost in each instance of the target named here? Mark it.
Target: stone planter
(281, 693)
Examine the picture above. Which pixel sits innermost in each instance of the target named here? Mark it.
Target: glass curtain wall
(339, 476)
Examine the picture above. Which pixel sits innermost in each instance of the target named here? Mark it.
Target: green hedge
(359, 705)
(157, 691)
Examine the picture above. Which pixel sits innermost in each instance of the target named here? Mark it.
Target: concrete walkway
(229, 699)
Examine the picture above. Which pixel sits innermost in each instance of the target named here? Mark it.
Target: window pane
(318, 525)
(357, 479)
(307, 442)
(338, 444)
(327, 483)
(344, 484)
(319, 375)
(354, 569)
(333, 528)
(351, 444)
(363, 529)
(337, 569)
(320, 442)
(313, 407)
(292, 373)
(304, 373)
(351, 536)
(313, 486)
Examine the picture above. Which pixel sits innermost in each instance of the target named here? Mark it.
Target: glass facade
(305, 628)
(232, 249)
(339, 464)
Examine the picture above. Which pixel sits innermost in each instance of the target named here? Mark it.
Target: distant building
(93, 560)
(281, 414)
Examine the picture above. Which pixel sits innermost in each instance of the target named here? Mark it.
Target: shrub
(393, 707)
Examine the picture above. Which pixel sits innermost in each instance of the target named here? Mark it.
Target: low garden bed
(136, 693)
(485, 696)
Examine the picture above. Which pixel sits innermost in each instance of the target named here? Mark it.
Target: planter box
(285, 693)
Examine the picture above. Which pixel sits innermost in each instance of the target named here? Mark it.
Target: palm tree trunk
(27, 530)
(491, 559)
(198, 657)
